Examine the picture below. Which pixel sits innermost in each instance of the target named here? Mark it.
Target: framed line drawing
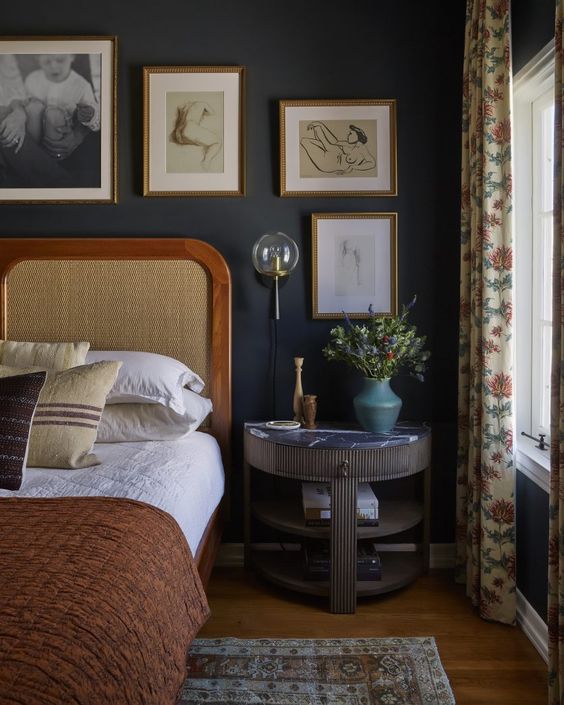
(338, 148)
(58, 119)
(354, 264)
(193, 131)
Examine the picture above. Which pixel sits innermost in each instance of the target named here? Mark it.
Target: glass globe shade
(275, 254)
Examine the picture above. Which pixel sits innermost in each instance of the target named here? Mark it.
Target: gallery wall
(318, 49)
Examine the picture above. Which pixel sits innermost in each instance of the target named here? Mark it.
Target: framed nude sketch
(338, 148)
(58, 120)
(354, 264)
(193, 131)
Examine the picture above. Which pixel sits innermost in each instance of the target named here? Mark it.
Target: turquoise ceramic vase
(377, 406)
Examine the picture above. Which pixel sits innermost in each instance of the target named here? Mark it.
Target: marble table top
(335, 436)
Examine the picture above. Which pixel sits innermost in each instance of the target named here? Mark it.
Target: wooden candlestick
(298, 404)
(310, 410)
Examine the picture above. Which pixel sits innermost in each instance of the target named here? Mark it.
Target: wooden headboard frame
(15, 250)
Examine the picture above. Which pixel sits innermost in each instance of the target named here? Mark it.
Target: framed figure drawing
(338, 148)
(58, 120)
(193, 131)
(354, 262)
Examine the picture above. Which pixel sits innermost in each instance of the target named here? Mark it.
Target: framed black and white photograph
(193, 131)
(58, 120)
(354, 264)
(338, 148)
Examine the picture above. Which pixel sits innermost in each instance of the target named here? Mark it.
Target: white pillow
(152, 422)
(148, 378)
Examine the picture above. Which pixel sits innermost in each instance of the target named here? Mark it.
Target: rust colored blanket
(99, 601)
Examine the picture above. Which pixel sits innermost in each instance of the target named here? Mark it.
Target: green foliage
(380, 347)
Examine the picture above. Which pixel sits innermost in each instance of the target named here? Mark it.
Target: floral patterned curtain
(556, 514)
(485, 476)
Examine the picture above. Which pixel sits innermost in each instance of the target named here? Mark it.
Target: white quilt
(184, 478)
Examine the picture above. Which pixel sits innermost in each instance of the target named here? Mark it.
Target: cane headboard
(164, 295)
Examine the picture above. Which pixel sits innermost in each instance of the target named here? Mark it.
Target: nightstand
(342, 456)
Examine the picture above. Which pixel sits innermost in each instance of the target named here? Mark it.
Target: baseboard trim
(230, 555)
(442, 555)
(533, 625)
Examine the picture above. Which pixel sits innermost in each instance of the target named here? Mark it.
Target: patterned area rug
(316, 672)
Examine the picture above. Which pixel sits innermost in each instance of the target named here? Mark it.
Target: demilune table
(343, 456)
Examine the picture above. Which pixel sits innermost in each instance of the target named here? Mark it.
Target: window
(541, 343)
(533, 172)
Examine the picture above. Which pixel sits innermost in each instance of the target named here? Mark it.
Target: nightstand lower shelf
(285, 568)
(288, 516)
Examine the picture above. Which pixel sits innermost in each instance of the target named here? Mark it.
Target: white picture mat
(159, 85)
(330, 231)
(293, 116)
(65, 46)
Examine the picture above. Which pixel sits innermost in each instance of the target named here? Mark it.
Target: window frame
(530, 83)
(542, 219)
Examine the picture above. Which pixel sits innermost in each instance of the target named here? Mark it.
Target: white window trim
(532, 462)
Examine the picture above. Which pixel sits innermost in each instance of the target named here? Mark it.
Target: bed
(162, 295)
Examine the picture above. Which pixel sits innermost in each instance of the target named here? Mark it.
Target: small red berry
(390, 355)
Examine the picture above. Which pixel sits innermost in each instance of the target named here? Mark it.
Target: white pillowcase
(148, 378)
(152, 422)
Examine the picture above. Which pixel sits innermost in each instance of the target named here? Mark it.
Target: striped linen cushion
(66, 420)
(68, 414)
(49, 356)
(18, 400)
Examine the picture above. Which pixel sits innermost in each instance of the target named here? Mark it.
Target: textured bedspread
(99, 600)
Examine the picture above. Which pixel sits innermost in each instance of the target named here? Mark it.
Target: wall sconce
(275, 255)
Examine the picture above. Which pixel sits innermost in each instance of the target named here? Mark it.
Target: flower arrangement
(380, 347)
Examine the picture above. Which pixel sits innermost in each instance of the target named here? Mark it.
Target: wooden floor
(487, 664)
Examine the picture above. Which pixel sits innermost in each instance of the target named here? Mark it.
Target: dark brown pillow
(18, 399)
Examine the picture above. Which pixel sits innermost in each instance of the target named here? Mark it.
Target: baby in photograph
(60, 101)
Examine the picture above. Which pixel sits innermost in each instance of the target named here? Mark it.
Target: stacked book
(317, 561)
(316, 499)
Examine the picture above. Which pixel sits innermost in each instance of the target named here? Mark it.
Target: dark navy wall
(294, 49)
(532, 543)
(532, 28)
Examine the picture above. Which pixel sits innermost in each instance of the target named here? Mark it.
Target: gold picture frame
(193, 131)
(338, 148)
(62, 147)
(354, 264)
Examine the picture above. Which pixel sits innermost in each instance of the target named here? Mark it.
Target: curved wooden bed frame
(218, 307)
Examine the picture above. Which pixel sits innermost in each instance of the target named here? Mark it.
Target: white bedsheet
(184, 478)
